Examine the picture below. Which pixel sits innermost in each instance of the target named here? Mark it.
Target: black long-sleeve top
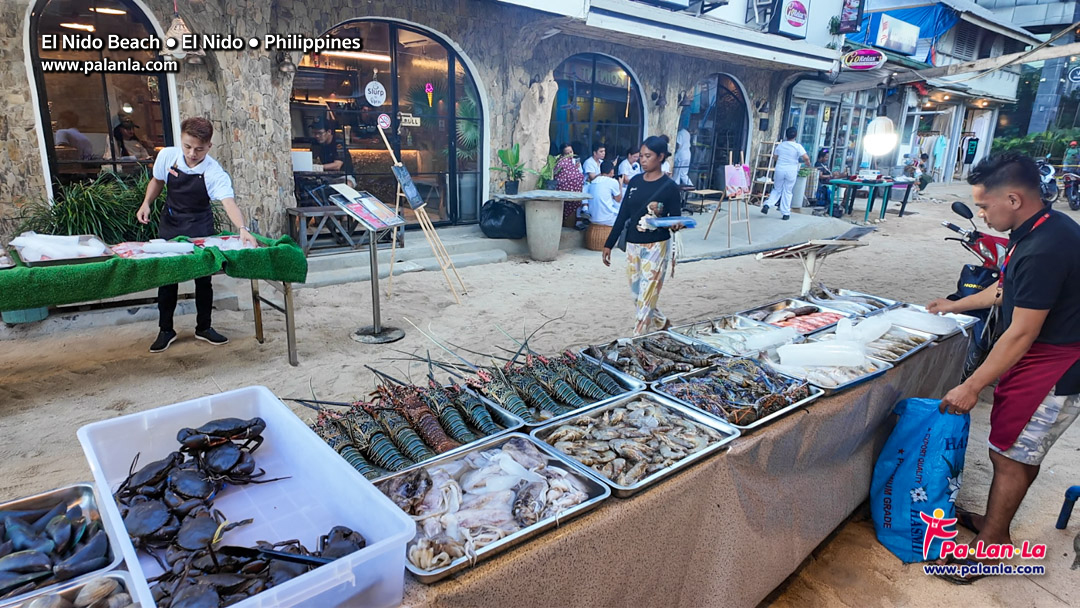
(639, 193)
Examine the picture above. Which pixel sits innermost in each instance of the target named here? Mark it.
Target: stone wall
(247, 98)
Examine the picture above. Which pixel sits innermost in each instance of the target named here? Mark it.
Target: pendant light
(880, 137)
(177, 30)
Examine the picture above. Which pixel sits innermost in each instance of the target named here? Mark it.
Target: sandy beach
(50, 386)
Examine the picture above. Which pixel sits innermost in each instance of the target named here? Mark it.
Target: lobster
(551, 381)
(530, 389)
(502, 392)
(403, 436)
(329, 427)
(406, 401)
(369, 437)
(581, 383)
(594, 372)
(439, 400)
(474, 410)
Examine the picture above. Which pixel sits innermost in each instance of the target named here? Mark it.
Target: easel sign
(365, 208)
(408, 188)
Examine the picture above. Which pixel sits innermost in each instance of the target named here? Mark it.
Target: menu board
(408, 187)
(365, 208)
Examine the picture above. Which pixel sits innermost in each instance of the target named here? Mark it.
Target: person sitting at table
(127, 143)
(606, 193)
(69, 135)
(823, 196)
(329, 152)
(591, 166)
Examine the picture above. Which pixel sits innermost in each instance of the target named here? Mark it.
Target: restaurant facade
(460, 80)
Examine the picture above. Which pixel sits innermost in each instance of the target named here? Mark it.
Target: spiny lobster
(551, 381)
(369, 437)
(441, 402)
(406, 401)
(594, 372)
(330, 427)
(473, 409)
(400, 432)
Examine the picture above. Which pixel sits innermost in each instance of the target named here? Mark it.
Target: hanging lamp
(177, 30)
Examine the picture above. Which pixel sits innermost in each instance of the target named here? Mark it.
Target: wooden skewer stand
(441, 255)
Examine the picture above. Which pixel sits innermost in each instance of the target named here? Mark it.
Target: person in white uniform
(628, 168)
(591, 166)
(683, 145)
(790, 156)
(606, 195)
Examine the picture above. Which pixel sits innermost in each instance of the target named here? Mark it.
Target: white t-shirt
(75, 139)
(591, 165)
(218, 182)
(603, 208)
(788, 154)
(666, 167)
(628, 170)
(682, 145)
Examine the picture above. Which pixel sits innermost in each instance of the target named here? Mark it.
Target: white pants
(783, 184)
(682, 171)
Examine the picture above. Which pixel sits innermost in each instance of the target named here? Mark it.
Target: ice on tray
(35, 247)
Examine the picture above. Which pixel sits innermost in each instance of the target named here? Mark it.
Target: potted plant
(547, 174)
(512, 167)
(798, 193)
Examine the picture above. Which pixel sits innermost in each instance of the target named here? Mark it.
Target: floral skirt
(646, 266)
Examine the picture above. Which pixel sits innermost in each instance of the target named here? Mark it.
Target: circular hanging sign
(864, 59)
(384, 121)
(796, 14)
(1074, 75)
(375, 93)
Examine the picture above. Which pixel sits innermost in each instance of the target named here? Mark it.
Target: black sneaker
(764, 208)
(164, 339)
(211, 336)
(785, 217)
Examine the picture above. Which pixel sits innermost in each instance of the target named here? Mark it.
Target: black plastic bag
(502, 220)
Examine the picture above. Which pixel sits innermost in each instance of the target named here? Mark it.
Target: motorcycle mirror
(962, 210)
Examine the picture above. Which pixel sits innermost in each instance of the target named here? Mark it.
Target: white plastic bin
(322, 491)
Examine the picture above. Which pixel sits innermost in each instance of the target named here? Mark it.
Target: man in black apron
(194, 179)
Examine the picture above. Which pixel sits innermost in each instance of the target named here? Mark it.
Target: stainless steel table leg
(290, 323)
(256, 305)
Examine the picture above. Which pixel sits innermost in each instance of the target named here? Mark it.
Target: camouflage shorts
(1054, 415)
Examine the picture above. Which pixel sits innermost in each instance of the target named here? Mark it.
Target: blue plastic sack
(919, 471)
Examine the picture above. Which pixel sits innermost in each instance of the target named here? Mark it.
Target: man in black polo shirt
(1035, 359)
(329, 151)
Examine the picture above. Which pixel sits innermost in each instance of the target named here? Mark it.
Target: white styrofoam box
(322, 491)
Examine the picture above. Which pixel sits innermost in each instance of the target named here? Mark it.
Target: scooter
(1048, 187)
(1072, 189)
(990, 250)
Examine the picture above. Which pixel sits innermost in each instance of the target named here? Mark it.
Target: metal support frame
(376, 333)
(287, 309)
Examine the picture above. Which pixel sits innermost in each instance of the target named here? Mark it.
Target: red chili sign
(864, 59)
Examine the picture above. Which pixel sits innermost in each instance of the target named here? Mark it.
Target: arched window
(598, 101)
(718, 121)
(112, 120)
(436, 119)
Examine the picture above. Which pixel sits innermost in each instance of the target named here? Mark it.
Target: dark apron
(187, 209)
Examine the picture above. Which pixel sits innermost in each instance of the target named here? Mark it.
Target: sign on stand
(377, 218)
(408, 188)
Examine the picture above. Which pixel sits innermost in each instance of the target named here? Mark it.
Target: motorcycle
(1072, 189)
(973, 279)
(1048, 186)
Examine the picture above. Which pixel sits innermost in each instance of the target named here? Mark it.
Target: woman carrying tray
(194, 179)
(653, 193)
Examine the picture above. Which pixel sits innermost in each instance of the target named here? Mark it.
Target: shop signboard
(851, 15)
(864, 59)
(896, 35)
(790, 18)
(375, 93)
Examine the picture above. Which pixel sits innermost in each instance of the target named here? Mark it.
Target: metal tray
(677, 337)
(685, 411)
(930, 338)
(815, 392)
(500, 415)
(83, 239)
(965, 322)
(795, 303)
(883, 366)
(739, 322)
(83, 495)
(596, 491)
(69, 590)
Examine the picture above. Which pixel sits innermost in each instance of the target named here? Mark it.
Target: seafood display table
(277, 262)
(734, 526)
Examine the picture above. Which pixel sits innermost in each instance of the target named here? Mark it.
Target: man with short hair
(606, 194)
(591, 166)
(1035, 360)
(194, 179)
